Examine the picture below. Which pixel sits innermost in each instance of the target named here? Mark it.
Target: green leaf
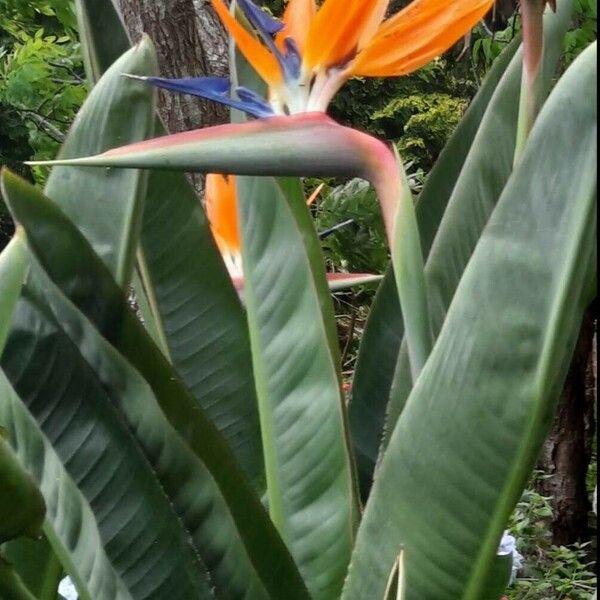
(293, 192)
(13, 268)
(11, 585)
(95, 18)
(498, 580)
(22, 507)
(34, 560)
(31, 560)
(309, 474)
(75, 408)
(245, 549)
(106, 205)
(197, 309)
(297, 145)
(183, 276)
(468, 438)
(485, 173)
(407, 259)
(243, 74)
(384, 330)
(373, 377)
(70, 525)
(37, 565)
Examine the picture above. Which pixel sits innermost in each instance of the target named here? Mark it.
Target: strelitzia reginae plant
(206, 450)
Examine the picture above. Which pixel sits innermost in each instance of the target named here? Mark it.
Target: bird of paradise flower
(307, 56)
(220, 202)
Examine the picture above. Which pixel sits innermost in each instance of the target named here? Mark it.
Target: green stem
(385, 171)
(409, 269)
(53, 575)
(532, 12)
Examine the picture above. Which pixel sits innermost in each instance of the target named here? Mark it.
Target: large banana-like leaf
(245, 544)
(75, 409)
(198, 310)
(473, 425)
(70, 524)
(384, 331)
(487, 169)
(243, 74)
(373, 376)
(106, 205)
(192, 304)
(409, 274)
(32, 561)
(11, 585)
(308, 467)
(294, 195)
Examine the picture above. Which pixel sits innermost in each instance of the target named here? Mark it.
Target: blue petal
(292, 59)
(262, 21)
(217, 89)
(204, 87)
(252, 99)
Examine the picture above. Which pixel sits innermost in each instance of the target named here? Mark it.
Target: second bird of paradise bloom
(221, 210)
(308, 55)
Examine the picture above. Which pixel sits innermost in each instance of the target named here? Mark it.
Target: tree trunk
(567, 452)
(213, 39)
(184, 50)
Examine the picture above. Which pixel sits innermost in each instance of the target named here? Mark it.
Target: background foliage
(41, 77)
(41, 84)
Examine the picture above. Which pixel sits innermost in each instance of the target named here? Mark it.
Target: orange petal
(221, 210)
(417, 34)
(258, 56)
(337, 30)
(373, 23)
(315, 195)
(297, 18)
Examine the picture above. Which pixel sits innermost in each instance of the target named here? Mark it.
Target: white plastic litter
(508, 545)
(67, 589)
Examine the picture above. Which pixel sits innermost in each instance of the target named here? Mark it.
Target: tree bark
(213, 39)
(567, 452)
(187, 45)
